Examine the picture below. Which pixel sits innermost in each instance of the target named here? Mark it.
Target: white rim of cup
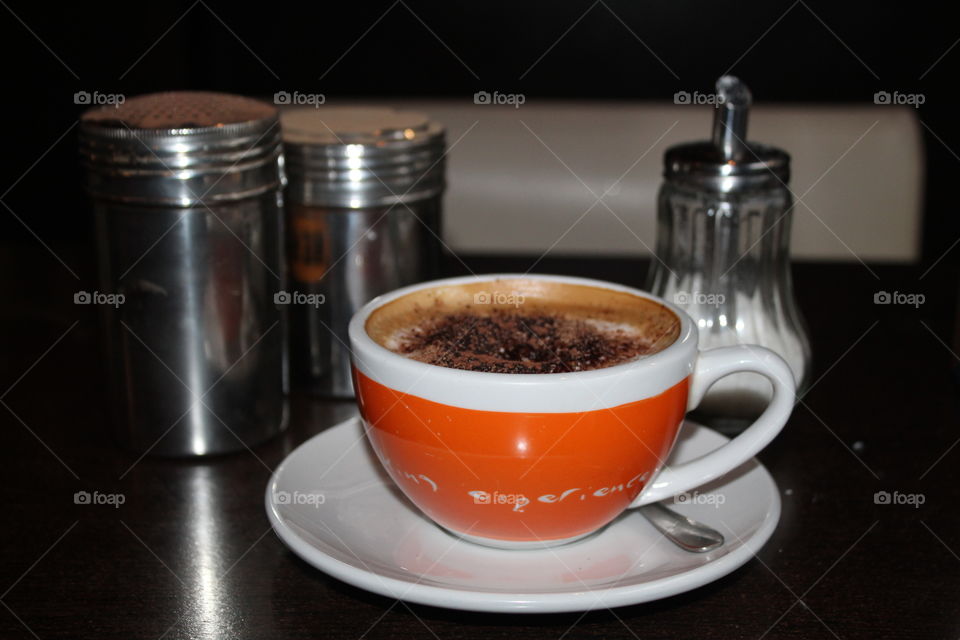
(427, 380)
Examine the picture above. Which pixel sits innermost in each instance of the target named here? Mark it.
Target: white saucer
(334, 506)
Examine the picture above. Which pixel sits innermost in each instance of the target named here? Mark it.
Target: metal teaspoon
(686, 533)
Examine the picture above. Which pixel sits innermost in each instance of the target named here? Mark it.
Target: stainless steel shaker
(363, 214)
(186, 190)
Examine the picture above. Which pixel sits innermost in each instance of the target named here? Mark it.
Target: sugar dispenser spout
(730, 120)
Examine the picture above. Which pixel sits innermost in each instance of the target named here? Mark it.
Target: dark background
(806, 52)
(889, 380)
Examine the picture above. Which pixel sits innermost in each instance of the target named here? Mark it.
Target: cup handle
(712, 365)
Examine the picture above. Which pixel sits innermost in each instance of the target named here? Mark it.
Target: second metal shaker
(363, 213)
(186, 193)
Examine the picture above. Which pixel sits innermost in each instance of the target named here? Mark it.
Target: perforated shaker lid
(181, 148)
(361, 156)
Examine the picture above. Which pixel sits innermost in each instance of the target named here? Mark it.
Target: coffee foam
(610, 312)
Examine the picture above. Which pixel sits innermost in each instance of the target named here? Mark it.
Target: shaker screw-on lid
(361, 156)
(727, 162)
(181, 148)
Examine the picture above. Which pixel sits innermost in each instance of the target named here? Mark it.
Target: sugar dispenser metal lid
(727, 162)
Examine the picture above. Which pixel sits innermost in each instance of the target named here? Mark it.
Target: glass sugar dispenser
(723, 253)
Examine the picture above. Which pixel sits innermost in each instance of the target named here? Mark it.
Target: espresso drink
(523, 326)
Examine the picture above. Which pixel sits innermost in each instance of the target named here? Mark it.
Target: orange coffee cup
(528, 460)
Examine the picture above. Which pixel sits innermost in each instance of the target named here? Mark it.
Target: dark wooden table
(189, 553)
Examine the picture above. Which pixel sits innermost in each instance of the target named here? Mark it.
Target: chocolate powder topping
(513, 342)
